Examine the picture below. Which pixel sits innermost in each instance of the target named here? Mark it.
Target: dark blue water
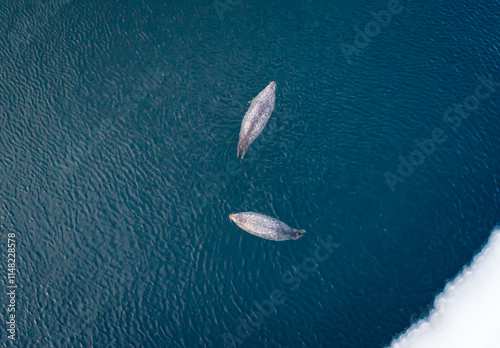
(119, 126)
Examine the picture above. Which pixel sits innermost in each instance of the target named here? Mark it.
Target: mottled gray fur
(265, 226)
(256, 117)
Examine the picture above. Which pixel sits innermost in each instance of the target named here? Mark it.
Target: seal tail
(298, 234)
(243, 150)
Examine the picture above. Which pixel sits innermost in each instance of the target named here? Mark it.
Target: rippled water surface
(119, 126)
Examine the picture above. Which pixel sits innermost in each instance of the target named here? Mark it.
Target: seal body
(265, 226)
(256, 117)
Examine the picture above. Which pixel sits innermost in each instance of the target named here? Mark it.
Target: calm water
(119, 125)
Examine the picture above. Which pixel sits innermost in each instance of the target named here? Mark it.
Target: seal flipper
(298, 234)
(243, 151)
(241, 148)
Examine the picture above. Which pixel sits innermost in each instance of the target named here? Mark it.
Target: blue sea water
(119, 126)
